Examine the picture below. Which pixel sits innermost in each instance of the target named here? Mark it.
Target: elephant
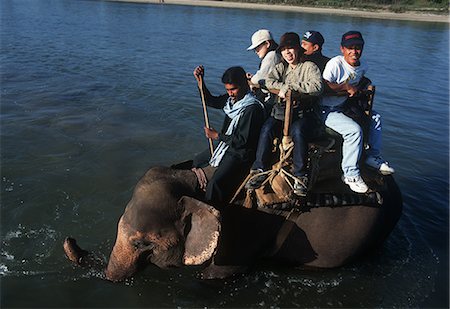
(168, 225)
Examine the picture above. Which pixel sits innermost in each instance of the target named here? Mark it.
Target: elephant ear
(203, 236)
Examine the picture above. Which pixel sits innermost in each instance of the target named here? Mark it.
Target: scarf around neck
(234, 111)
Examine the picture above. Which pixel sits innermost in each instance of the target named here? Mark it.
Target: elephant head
(159, 230)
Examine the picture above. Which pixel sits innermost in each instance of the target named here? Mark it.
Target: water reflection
(94, 93)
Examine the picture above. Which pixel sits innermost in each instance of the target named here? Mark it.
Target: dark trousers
(301, 130)
(226, 179)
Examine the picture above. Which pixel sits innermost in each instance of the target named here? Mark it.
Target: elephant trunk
(117, 270)
(123, 261)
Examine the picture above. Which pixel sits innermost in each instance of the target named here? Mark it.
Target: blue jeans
(353, 137)
(301, 130)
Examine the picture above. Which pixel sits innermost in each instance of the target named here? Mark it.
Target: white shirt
(338, 71)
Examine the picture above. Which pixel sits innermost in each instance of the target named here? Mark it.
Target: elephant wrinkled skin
(162, 227)
(166, 224)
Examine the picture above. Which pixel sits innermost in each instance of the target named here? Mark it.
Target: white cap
(259, 37)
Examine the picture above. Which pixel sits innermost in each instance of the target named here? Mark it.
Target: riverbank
(411, 16)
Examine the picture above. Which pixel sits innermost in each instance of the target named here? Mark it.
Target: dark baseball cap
(314, 37)
(352, 38)
(289, 39)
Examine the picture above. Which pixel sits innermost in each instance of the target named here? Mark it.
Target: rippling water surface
(94, 93)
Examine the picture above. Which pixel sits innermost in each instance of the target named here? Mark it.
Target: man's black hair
(235, 75)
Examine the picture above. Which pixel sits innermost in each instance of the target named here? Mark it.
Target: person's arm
(342, 89)
(310, 81)
(274, 81)
(210, 100)
(215, 101)
(330, 74)
(219, 135)
(267, 64)
(346, 89)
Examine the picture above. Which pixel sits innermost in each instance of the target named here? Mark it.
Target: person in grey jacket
(265, 48)
(304, 78)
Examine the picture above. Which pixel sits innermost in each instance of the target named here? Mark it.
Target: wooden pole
(205, 112)
(288, 113)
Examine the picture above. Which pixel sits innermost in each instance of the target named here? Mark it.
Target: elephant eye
(142, 245)
(137, 244)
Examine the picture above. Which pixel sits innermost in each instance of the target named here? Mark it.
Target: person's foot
(301, 186)
(356, 183)
(256, 171)
(378, 163)
(256, 180)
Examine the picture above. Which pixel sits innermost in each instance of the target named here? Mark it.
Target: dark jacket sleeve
(214, 101)
(244, 140)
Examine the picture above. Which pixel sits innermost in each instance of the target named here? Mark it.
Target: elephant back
(331, 235)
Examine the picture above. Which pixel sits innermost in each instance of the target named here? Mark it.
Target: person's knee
(265, 135)
(355, 134)
(267, 128)
(213, 194)
(351, 128)
(298, 129)
(298, 138)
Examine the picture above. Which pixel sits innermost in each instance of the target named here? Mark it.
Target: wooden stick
(241, 187)
(288, 113)
(205, 112)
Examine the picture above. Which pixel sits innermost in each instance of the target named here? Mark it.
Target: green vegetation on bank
(430, 6)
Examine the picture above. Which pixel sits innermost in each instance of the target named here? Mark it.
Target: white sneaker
(301, 186)
(379, 164)
(257, 179)
(356, 184)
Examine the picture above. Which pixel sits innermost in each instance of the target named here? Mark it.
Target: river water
(94, 93)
